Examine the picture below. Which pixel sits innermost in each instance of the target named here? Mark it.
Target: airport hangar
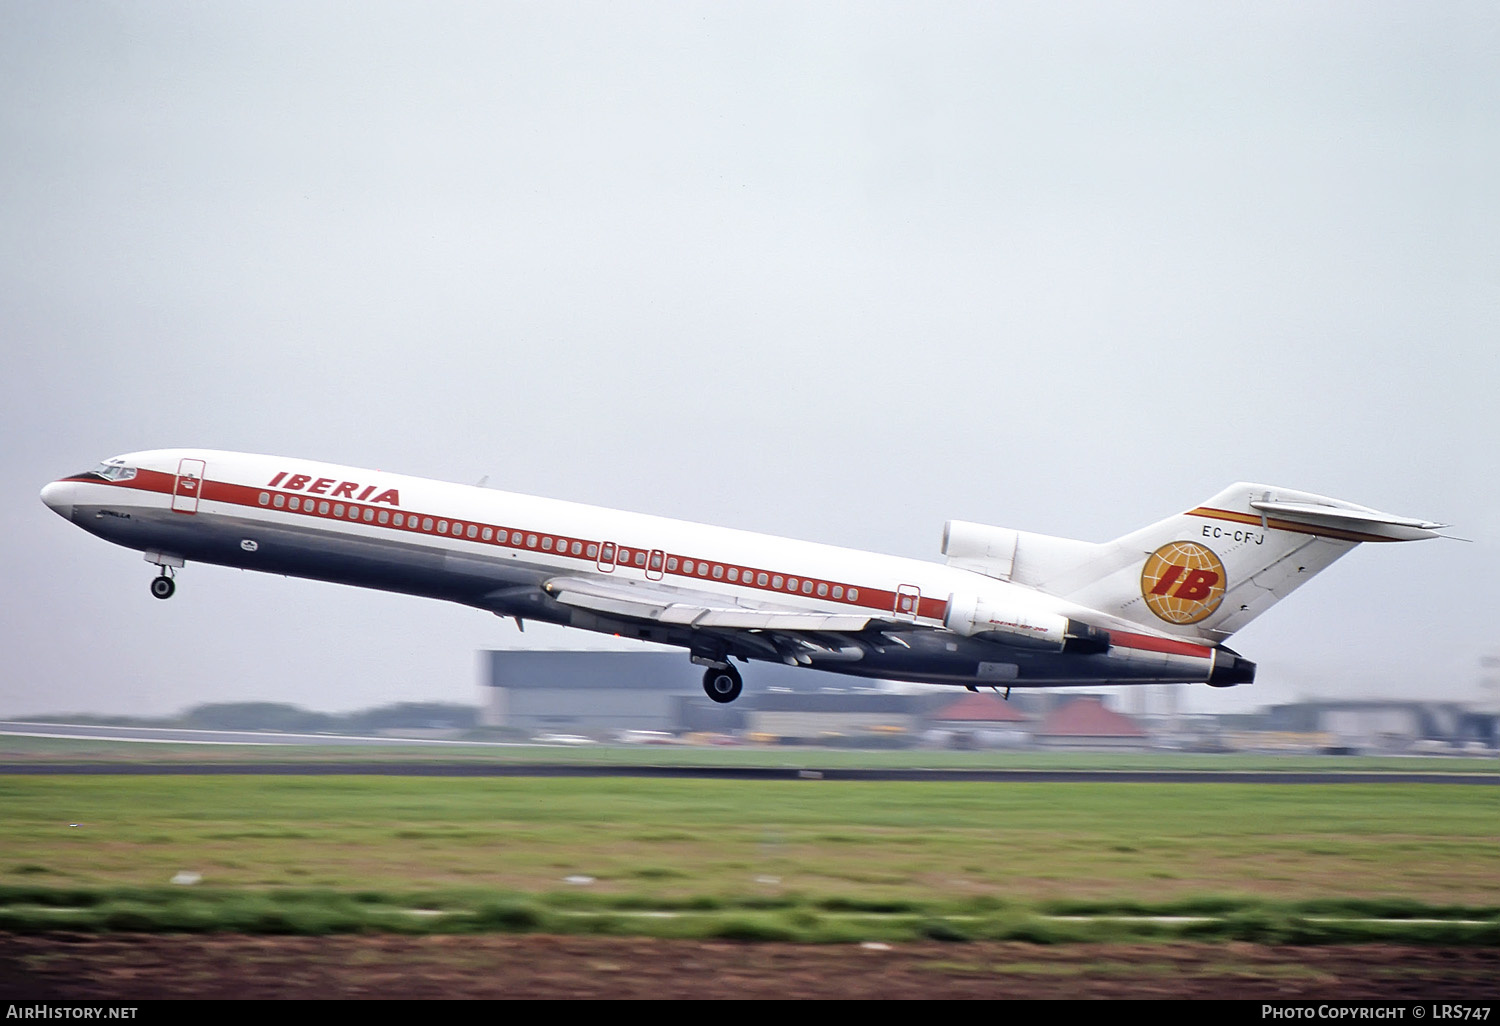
(591, 692)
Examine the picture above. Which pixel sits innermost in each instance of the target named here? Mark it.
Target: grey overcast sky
(834, 271)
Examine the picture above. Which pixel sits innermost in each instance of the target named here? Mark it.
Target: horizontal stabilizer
(1348, 517)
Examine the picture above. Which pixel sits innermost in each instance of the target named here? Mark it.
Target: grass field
(602, 846)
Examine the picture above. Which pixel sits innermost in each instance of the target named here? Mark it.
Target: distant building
(1384, 725)
(982, 721)
(1085, 723)
(603, 692)
(581, 692)
(826, 716)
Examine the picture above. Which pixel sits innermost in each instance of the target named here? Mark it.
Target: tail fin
(1202, 574)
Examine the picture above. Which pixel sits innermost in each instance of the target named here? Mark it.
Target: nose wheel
(163, 587)
(722, 685)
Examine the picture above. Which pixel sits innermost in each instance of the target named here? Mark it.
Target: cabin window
(265, 498)
(687, 566)
(838, 591)
(442, 527)
(734, 573)
(822, 589)
(547, 544)
(656, 561)
(776, 582)
(515, 538)
(295, 503)
(488, 534)
(323, 508)
(672, 564)
(353, 512)
(791, 584)
(426, 523)
(338, 509)
(369, 515)
(531, 541)
(718, 571)
(385, 517)
(577, 548)
(807, 587)
(278, 500)
(853, 594)
(762, 579)
(702, 569)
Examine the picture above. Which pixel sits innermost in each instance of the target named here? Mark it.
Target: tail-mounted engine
(972, 615)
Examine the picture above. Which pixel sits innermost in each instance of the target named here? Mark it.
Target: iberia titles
(340, 489)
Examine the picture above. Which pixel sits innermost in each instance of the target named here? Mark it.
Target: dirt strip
(143, 967)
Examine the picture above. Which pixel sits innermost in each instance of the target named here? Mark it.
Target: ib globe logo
(1183, 582)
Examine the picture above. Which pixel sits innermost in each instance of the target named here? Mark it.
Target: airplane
(1008, 608)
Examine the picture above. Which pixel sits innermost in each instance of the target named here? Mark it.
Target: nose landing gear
(722, 685)
(166, 564)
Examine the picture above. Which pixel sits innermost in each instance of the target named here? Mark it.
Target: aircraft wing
(666, 605)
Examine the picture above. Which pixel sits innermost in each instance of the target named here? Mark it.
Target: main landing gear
(722, 685)
(163, 587)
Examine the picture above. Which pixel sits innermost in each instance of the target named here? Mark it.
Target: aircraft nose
(58, 497)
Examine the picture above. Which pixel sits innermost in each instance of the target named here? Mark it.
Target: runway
(543, 768)
(182, 736)
(755, 773)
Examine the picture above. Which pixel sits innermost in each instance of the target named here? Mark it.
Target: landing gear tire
(163, 587)
(722, 685)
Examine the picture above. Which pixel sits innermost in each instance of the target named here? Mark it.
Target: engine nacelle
(991, 550)
(971, 615)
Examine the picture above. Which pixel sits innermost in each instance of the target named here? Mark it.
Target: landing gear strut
(722, 685)
(166, 568)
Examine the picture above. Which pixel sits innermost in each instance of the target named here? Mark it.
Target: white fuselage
(517, 555)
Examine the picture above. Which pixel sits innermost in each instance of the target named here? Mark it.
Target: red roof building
(976, 710)
(1085, 723)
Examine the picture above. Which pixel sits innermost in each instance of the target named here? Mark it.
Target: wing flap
(692, 609)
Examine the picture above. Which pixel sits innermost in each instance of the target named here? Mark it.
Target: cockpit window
(111, 470)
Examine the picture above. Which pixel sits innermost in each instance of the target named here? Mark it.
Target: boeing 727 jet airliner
(1009, 609)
